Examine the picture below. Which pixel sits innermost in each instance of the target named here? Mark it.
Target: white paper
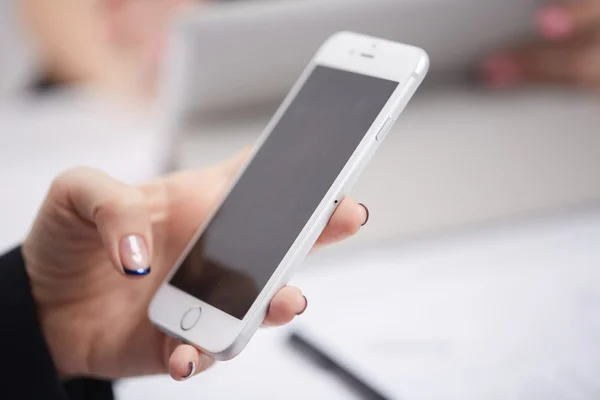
(510, 315)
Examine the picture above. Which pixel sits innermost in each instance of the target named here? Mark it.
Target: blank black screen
(281, 188)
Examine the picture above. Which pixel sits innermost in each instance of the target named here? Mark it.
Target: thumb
(119, 213)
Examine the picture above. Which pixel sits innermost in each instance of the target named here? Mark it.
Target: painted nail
(554, 22)
(305, 306)
(192, 366)
(500, 71)
(134, 256)
(367, 212)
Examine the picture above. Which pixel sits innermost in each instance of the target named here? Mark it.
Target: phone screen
(281, 188)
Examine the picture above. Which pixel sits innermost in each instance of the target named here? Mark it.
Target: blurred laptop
(458, 155)
(234, 53)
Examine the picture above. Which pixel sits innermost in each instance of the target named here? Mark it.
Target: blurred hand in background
(567, 53)
(113, 45)
(137, 30)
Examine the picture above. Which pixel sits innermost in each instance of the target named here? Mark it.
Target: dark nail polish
(192, 366)
(137, 272)
(305, 305)
(367, 211)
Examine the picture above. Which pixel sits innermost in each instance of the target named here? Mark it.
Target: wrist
(62, 342)
(63, 356)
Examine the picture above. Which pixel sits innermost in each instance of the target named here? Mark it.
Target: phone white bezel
(222, 336)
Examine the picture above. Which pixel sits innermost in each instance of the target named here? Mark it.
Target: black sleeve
(26, 367)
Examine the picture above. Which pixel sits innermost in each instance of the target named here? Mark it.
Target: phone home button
(190, 318)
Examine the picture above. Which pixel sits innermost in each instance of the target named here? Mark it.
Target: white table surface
(559, 253)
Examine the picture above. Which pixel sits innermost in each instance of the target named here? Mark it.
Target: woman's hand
(137, 30)
(93, 232)
(113, 46)
(567, 53)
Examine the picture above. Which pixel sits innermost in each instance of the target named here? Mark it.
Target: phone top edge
(372, 56)
(423, 65)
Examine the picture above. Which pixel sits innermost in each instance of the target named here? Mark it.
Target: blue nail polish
(137, 272)
(192, 366)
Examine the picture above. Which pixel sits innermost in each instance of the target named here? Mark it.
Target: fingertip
(304, 307)
(345, 222)
(186, 362)
(191, 366)
(366, 214)
(554, 22)
(351, 216)
(287, 303)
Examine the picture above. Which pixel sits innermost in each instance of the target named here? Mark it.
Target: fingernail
(554, 22)
(305, 306)
(366, 212)
(134, 256)
(192, 366)
(500, 71)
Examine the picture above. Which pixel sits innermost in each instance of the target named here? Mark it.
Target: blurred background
(480, 256)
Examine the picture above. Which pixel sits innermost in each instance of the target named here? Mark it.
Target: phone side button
(385, 128)
(352, 179)
(190, 318)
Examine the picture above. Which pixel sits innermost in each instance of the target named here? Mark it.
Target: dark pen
(306, 348)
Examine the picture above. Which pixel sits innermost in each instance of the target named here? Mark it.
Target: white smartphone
(311, 152)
